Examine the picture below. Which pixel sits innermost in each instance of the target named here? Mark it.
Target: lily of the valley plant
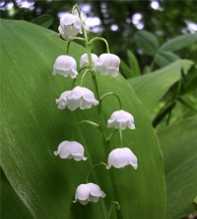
(80, 97)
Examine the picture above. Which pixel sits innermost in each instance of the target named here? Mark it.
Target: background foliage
(116, 20)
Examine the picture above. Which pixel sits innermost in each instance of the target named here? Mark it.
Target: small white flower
(121, 120)
(70, 150)
(84, 60)
(79, 97)
(65, 65)
(121, 157)
(89, 192)
(62, 101)
(70, 26)
(83, 18)
(108, 64)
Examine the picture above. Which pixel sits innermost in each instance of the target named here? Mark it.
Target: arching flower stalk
(80, 97)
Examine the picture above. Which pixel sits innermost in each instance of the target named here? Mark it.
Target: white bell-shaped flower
(89, 192)
(79, 97)
(62, 101)
(108, 64)
(70, 26)
(121, 119)
(65, 65)
(122, 157)
(83, 18)
(70, 150)
(84, 60)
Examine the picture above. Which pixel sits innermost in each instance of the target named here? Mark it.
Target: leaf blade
(48, 184)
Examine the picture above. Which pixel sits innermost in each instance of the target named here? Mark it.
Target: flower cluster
(79, 97)
(107, 64)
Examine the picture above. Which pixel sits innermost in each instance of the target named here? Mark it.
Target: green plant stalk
(101, 39)
(112, 94)
(87, 46)
(121, 137)
(94, 166)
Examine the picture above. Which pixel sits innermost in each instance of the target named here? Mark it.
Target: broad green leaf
(147, 42)
(32, 127)
(132, 69)
(125, 69)
(164, 58)
(151, 87)
(11, 206)
(133, 64)
(179, 42)
(179, 144)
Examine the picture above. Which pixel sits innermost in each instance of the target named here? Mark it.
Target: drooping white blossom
(62, 101)
(83, 18)
(122, 157)
(70, 26)
(77, 98)
(70, 150)
(89, 192)
(108, 64)
(121, 119)
(66, 66)
(84, 60)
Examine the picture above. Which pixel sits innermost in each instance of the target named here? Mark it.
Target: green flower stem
(113, 204)
(73, 83)
(83, 76)
(92, 169)
(108, 139)
(76, 7)
(68, 46)
(89, 122)
(111, 94)
(83, 68)
(70, 41)
(78, 38)
(100, 39)
(121, 137)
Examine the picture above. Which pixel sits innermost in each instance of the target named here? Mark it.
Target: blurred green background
(116, 20)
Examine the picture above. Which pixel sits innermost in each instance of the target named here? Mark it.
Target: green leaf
(44, 20)
(147, 42)
(179, 144)
(151, 87)
(163, 58)
(195, 200)
(11, 206)
(133, 64)
(125, 69)
(32, 127)
(179, 42)
(132, 69)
